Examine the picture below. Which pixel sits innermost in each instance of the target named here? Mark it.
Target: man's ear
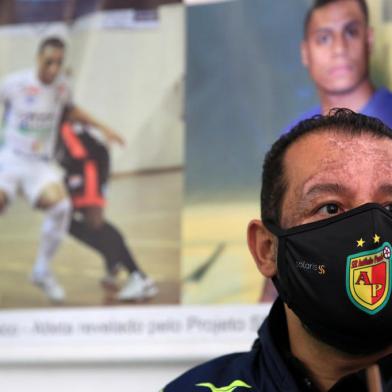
(304, 54)
(261, 243)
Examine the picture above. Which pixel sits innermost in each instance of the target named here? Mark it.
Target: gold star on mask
(376, 239)
(360, 243)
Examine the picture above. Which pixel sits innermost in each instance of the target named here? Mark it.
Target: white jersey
(32, 112)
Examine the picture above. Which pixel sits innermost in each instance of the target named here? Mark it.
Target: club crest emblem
(368, 278)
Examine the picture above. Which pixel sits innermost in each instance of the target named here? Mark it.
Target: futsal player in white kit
(34, 101)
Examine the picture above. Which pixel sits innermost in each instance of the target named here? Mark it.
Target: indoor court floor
(217, 267)
(147, 210)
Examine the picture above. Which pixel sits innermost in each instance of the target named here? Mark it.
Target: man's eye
(352, 32)
(322, 39)
(50, 62)
(330, 209)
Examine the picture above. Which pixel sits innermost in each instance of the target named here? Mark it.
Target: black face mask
(335, 275)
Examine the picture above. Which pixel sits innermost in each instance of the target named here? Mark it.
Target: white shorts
(27, 174)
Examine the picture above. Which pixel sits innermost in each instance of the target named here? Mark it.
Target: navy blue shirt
(267, 367)
(379, 106)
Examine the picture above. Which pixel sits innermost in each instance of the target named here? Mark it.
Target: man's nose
(339, 45)
(54, 69)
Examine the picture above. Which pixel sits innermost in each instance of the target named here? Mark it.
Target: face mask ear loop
(273, 228)
(278, 232)
(280, 280)
(282, 275)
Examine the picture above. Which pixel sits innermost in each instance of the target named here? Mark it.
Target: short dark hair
(55, 42)
(274, 183)
(321, 3)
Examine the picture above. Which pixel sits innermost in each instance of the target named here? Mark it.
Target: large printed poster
(110, 68)
(197, 94)
(122, 65)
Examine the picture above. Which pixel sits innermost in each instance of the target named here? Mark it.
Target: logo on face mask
(368, 278)
(321, 269)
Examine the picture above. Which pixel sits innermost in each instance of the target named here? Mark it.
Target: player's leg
(46, 192)
(3, 200)
(109, 241)
(116, 253)
(138, 286)
(87, 225)
(101, 235)
(9, 178)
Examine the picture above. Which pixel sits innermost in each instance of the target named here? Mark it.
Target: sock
(55, 226)
(108, 241)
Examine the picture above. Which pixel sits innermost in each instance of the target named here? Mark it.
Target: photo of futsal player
(60, 157)
(34, 101)
(86, 161)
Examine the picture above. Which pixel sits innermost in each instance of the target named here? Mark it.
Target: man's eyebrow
(334, 188)
(328, 29)
(353, 23)
(322, 29)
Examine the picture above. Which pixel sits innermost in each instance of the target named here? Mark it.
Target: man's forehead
(334, 163)
(52, 51)
(336, 13)
(334, 154)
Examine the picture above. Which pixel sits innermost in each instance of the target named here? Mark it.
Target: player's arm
(75, 113)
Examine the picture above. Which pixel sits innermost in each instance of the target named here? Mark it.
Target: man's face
(328, 173)
(50, 61)
(336, 47)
